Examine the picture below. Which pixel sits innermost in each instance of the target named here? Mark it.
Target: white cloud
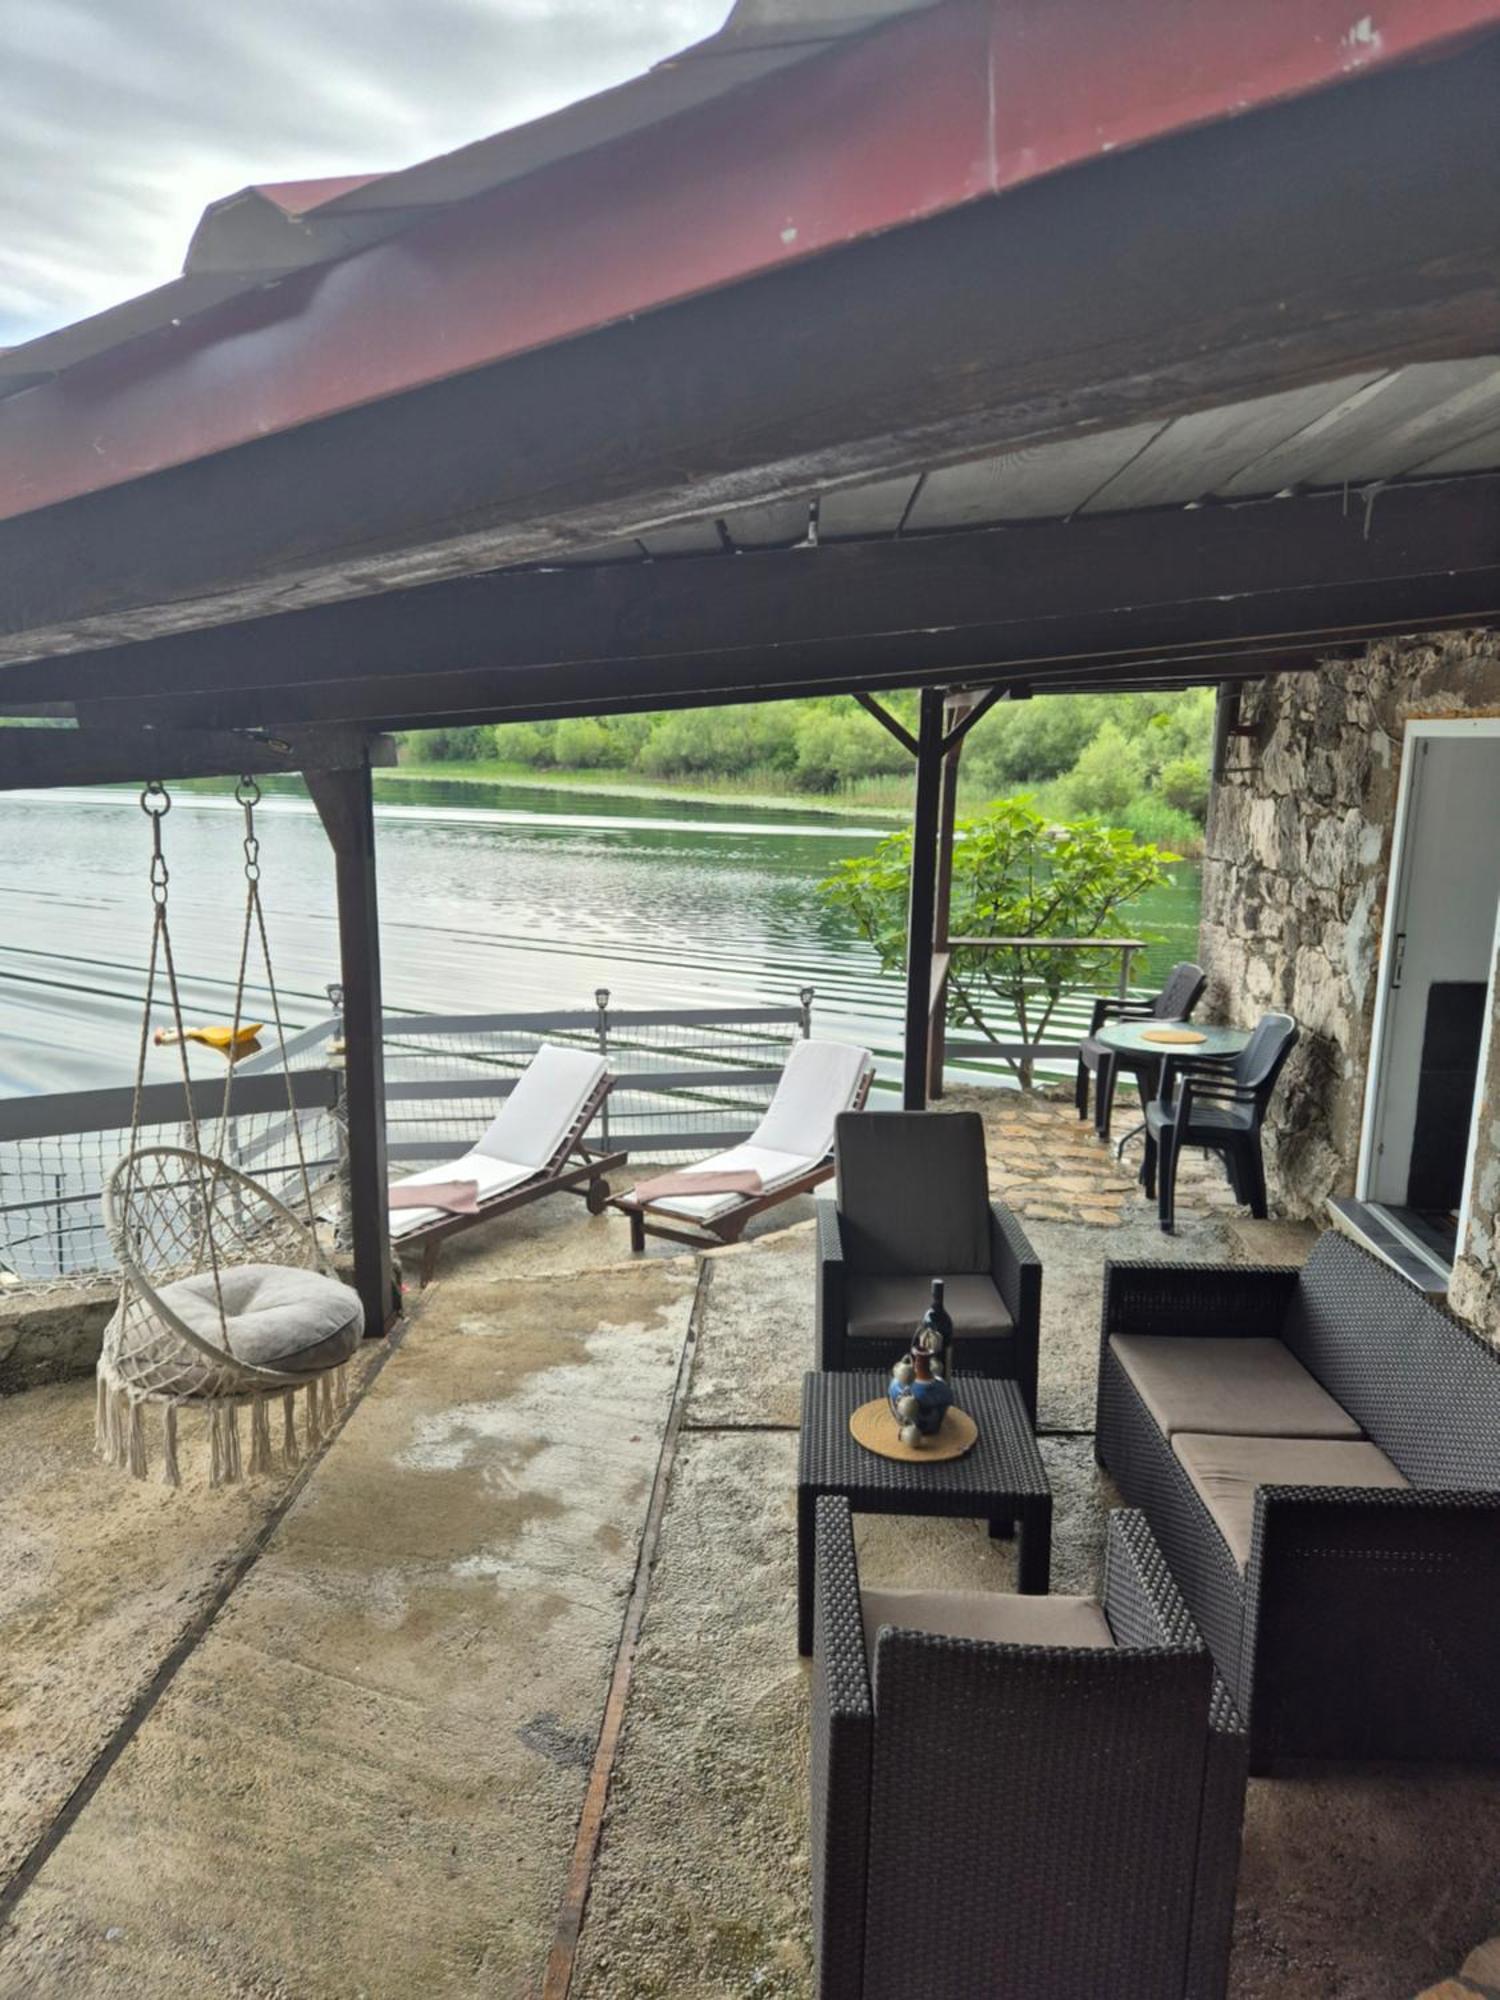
(120, 120)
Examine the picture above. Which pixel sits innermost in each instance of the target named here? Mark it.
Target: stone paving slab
(100, 1576)
(366, 1778)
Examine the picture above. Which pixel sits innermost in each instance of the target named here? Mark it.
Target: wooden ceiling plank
(1196, 454)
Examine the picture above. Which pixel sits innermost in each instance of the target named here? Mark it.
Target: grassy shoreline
(874, 798)
(883, 799)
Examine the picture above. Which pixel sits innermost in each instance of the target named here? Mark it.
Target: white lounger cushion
(820, 1080)
(529, 1133)
(540, 1112)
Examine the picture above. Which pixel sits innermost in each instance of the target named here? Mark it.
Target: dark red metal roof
(840, 140)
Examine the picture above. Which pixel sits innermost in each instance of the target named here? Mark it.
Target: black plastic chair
(1221, 1107)
(1175, 1002)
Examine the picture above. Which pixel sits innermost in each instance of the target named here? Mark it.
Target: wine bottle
(935, 1334)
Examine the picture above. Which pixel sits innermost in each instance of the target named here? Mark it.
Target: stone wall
(1294, 889)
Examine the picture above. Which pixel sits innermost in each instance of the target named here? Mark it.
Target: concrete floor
(366, 1774)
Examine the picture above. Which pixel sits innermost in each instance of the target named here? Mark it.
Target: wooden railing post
(922, 900)
(957, 707)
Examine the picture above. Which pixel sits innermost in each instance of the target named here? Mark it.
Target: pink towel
(457, 1197)
(690, 1181)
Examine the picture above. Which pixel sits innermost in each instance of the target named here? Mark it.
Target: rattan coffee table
(1002, 1480)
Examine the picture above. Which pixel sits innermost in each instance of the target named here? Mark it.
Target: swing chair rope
(248, 795)
(156, 803)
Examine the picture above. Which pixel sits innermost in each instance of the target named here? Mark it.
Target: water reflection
(494, 898)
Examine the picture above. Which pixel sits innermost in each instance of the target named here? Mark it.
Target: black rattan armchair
(913, 1205)
(1221, 1107)
(1021, 1797)
(1175, 1002)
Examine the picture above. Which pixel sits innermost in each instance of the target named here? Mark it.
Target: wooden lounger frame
(729, 1227)
(586, 1178)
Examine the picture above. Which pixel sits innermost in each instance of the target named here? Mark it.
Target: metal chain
(156, 803)
(248, 795)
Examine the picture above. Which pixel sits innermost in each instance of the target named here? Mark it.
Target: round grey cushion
(276, 1316)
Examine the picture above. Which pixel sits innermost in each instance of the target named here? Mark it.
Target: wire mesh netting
(689, 1081)
(51, 1227)
(685, 1082)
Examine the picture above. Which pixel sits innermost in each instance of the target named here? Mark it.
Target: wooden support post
(922, 899)
(943, 895)
(345, 805)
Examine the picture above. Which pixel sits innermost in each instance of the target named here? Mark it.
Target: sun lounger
(535, 1147)
(788, 1153)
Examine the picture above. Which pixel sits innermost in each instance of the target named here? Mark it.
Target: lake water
(493, 899)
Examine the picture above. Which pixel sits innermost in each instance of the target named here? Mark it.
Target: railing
(690, 1081)
(1025, 1053)
(57, 1151)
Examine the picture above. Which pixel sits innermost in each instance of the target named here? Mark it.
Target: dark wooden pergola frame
(1352, 228)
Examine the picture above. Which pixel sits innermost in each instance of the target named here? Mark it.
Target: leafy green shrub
(728, 741)
(469, 745)
(1150, 818)
(1183, 783)
(1016, 873)
(528, 743)
(837, 748)
(594, 743)
(1110, 773)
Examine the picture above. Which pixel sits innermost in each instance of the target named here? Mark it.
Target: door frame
(1412, 733)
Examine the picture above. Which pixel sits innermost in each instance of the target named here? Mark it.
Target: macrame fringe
(260, 1436)
(170, 1475)
(215, 1447)
(120, 1429)
(136, 1445)
(101, 1416)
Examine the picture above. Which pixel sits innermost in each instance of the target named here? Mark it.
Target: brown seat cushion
(1227, 1470)
(1232, 1388)
(995, 1615)
(891, 1308)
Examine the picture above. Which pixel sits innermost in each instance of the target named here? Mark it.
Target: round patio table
(1132, 1038)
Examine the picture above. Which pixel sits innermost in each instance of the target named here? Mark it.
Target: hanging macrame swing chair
(226, 1300)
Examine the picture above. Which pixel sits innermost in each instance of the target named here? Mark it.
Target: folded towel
(740, 1180)
(457, 1197)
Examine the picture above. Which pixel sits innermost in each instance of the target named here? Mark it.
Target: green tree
(1183, 783)
(1108, 775)
(1015, 874)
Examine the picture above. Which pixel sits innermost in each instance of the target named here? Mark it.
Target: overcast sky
(120, 120)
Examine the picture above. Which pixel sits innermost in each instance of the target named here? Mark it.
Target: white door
(1440, 923)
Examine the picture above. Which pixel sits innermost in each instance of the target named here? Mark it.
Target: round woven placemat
(1172, 1035)
(873, 1426)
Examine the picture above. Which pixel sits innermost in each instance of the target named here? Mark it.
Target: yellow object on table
(1177, 1036)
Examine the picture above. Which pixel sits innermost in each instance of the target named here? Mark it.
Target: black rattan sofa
(1318, 1453)
(913, 1205)
(1021, 1797)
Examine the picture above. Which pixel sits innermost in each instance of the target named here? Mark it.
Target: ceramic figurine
(921, 1401)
